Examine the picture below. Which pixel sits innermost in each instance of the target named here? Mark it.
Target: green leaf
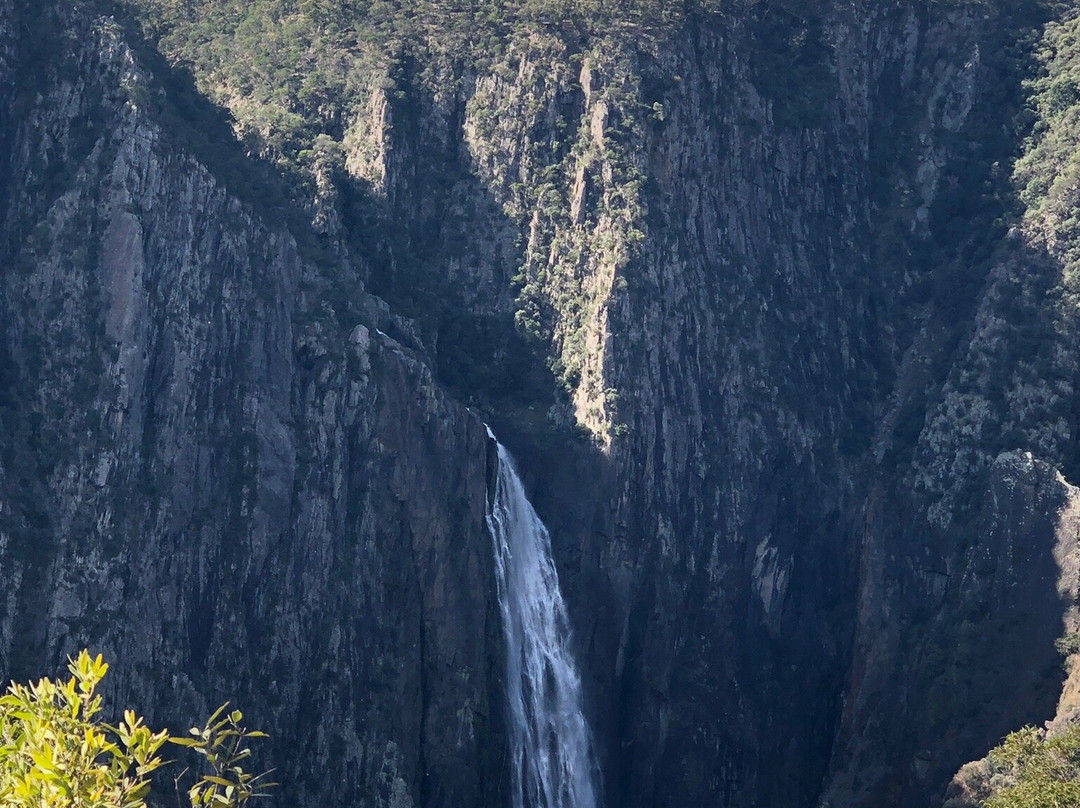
(185, 742)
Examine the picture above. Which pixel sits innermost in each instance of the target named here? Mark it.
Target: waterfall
(552, 763)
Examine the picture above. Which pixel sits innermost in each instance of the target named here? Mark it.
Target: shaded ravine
(552, 761)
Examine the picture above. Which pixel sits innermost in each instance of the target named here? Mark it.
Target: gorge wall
(774, 302)
(211, 479)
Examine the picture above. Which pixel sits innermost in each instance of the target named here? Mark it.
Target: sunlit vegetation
(57, 751)
(292, 70)
(1028, 770)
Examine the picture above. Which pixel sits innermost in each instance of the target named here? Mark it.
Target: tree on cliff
(56, 752)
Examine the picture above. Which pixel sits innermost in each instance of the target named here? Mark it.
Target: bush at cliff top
(1037, 771)
(56, 752)
(1030, 769)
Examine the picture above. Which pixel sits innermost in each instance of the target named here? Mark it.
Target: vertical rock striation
(743, 250)
(792, 396)
(229, 485)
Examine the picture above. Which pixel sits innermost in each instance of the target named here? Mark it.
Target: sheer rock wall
(808, 525)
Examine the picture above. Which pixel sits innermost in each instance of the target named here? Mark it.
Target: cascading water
(552, 763)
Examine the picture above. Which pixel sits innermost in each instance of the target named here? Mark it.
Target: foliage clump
(1049, 172)
(292, 70)
(57, 752)
(1068, 644)
(1030, 769)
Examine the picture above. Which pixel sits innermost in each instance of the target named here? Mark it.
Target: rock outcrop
(1035, 525)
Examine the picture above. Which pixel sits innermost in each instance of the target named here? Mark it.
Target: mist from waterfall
(552, 761)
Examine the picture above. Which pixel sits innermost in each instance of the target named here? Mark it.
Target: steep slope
(1014, 383)
(755, 289)
(736, 282)
(229, 486)
(966, 582)
(733, 246)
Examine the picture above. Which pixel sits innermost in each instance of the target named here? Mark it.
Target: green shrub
(56, 752)
(1068, 644)
(1035, 771)
(1029, 769)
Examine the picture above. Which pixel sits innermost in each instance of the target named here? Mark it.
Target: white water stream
(552, 762)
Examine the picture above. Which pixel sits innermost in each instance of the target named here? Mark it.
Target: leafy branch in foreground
(56, 752)
(223, 744)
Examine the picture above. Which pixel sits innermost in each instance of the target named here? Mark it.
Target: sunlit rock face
(787, 358)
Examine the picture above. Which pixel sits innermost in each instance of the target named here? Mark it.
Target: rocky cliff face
(741, 293)
(227, 486)
(742, 288)
(1029, 501)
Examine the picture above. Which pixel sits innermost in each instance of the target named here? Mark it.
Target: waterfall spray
(552, 762)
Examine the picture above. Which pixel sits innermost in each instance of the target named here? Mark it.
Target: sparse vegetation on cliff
(291, 72)
(1028, 770)
(1047, 173)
